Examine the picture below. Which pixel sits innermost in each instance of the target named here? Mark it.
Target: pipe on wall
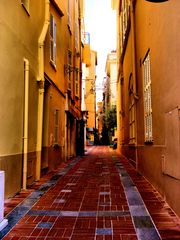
(41, 81)
(26, 110)
(133, 49)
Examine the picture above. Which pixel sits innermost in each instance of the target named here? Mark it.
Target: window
(69, 14)
(132, 136)
(69, 68)
(56, 126)
(77, 27)
(52, 40)
(76, 82)
(125, 15)
(147, 100)
(25, 4)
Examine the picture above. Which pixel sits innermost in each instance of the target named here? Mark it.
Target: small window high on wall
(147, 99)
(69, 15)
(52, 40)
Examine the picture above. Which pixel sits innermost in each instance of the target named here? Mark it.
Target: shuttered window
(147, 100)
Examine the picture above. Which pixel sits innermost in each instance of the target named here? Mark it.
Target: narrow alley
(97, 196)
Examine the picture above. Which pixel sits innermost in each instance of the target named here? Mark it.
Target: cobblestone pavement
(96, 197)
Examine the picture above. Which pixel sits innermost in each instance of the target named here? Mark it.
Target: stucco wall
(19, 39)
(157, 30)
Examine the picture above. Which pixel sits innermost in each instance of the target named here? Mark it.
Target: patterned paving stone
(138, 210)
(104, 193)
(71, 184)
(45, 225)
(59, 201)
(66, 191)
(147, 234)
(104, 231)
(94, 197)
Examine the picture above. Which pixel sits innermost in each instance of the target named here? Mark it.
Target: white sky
(100, 22)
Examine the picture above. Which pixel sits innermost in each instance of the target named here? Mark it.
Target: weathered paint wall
(53, 155)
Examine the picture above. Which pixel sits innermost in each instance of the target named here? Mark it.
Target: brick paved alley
(99, 196)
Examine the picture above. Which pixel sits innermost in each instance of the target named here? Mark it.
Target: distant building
(99, 119)
(109, 97)
(90, 98)
(111, 73)
(148, 91)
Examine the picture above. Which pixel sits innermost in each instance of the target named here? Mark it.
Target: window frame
(52, 33)
(147, 99)
(132, 116)
(125, 16)
(76, 23)
(69, 69)
(76, 72)
(69, 15)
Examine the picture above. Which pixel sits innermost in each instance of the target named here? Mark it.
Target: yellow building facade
(148, 91)
(41, 114)
(20, 31)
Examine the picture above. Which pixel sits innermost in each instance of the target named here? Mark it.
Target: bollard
(3, 222)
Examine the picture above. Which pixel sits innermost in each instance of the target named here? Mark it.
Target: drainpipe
(41, 89)
(26, 109)
(134, 49)
(132, 2)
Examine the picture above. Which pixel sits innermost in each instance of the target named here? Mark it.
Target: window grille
(132, 121)
(147, 100)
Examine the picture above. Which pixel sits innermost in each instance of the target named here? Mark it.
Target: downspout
(26, 109)
(41, 81)
(133, 49)
(132, 3)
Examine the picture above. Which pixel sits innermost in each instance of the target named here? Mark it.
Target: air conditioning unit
(3, 221)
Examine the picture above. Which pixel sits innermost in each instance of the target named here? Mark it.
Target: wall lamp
(156, 1)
